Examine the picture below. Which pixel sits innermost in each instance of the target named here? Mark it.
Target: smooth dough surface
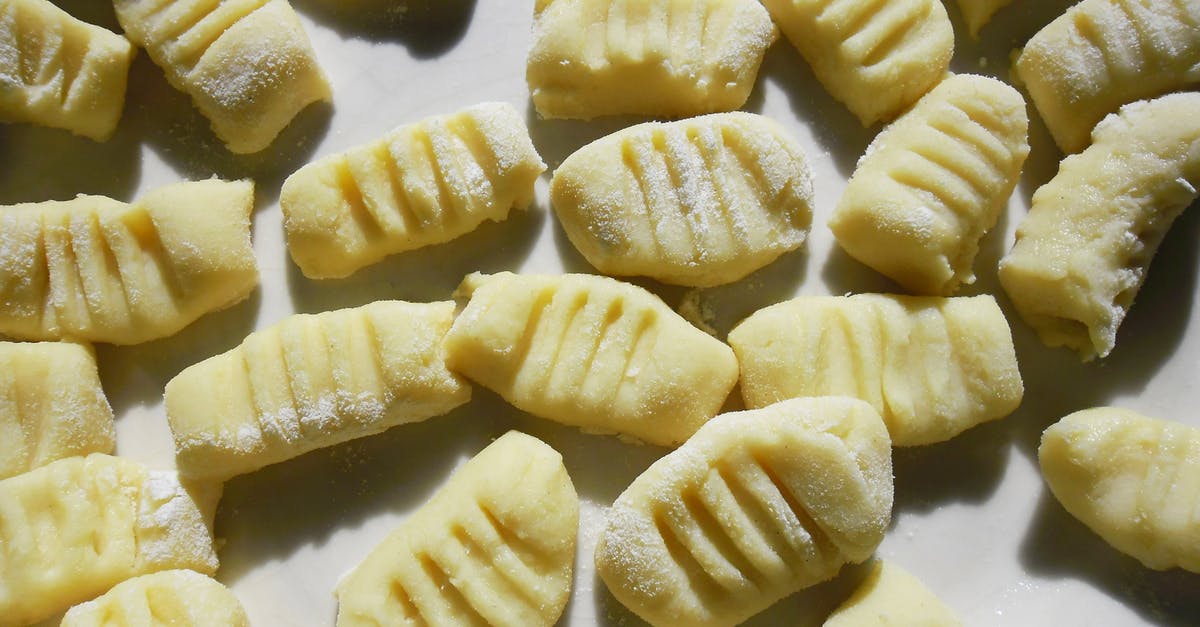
(421, 184)
(312, 381)
(1082, 251)
(170, 598)
(51, 405)
(891, 597)
(1133, 480)
(61, 72)
(494, 546)
(756, 505)
(98, 270)
(663, 58)
(932, 367)
(977, 13)
(933, 183)
(700, 202)
(592, 352)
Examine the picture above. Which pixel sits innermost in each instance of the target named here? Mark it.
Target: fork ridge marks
(592, 352)
(494, 546)
(247, 64)
(701, 202)
(181, 598)
(932, 367)
(100, 270)
(875, 56)
(754, 506)
(61, 72)
(1102, 54)
(663, 58)
(421, 184)
(312, 381)
(934, 182)
(77, 526)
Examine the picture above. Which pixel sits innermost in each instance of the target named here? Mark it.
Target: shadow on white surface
(964, 470)
(51, 164)
(428, 28)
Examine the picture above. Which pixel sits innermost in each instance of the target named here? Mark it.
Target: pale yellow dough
(977, 13)
(700, 202)
(875, 56)
(756, 505)
(58, 71)
(78, 526)
(1083, 249)
(247, 64)
(51, 405)
(99, 270)
(891, 597)
(312, 381)
(1102, 54)
(662, 58)
(421, 184)
(934, 182)
(494, 546)
(1133, 480)
(592, 352)
(171, 598)
(932, 367)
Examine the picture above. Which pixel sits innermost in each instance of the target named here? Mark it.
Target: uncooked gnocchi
(976, 13)
(175, 598)
(891, 597)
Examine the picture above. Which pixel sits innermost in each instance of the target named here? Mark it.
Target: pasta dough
(891, 597)
(178, 598)
(976, 13)
(700, 202)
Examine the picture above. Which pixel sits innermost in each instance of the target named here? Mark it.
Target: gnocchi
(891, 597)
(179, 598)
(977, 13)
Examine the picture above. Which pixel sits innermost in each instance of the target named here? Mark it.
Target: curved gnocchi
(180, 598)
(891, 596)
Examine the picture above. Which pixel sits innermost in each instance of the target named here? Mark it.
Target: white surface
(972, 519)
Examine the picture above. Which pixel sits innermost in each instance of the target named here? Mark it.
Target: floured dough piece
(891, 597)
(178, 598)
(51, 405)
(1133, 480)
(420, 184)
(934, 182)
(100, 270)
(756, 505)
(1102, 54)
(875, 56)
(661, 58)
(58, 71)
(78, 526)
(592, 352)
(312, 381)
(978, 12)
(701, 202)
(932, 367)
(1083, 249)
(494, 546)
(247, 64)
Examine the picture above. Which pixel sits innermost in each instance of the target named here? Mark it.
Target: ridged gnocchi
(891, 596)
(99, 270)
(661, 58)
(976, 13)
(756, 505)
(1082, 251)
(701, 202)
(932, 367)
(421, 184)
(312, 381)
(178, 598)
(934, 182)
(494, 546)
(592, 352)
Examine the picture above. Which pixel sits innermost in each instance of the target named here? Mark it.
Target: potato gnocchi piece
(99, 270)
(592, 352)
(699, 202)
(934, 182)
(78, 526)
(179, 598)
(61, 72)
(247, 65)
(662, 58)
(891, 596)
(494, 546)
(51, 405)
(1102, 54)
(875, 56)
(312, 381)
(420, 184)
(1133, 480)
(756, 505)
(932, 367)
(977, 13)
(1082, 251)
